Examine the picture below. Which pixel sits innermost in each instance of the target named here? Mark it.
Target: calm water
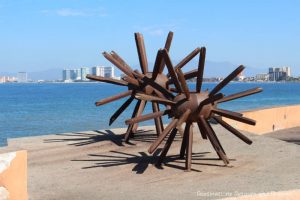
(38, 109)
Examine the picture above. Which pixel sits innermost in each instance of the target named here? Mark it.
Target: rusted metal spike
(131, 80)
(187, 75)
(240, 94)
(169, 40)
(234, 116)
(166, 147)
(120, 60)
(203, 135)
(188, 159)
(171, 70)
(184, 140)
(215, 137)
(158, 120)
(200, 69)
(142, 118)
(153, 98)
(167, 47)
(159, 140)
(157, 64)
(226, 80)
(106, 80)
(113, 98)
(130, 127)
(188, 58)
(117, 63)
(183, 118)
(209, 100)
(233, 130)
(139, 113)
(213, 141)
(140, 45)
(184, 85)
(120, 110)
(191, 74)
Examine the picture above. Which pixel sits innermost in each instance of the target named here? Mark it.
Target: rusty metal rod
(120, 60)
(120, 110)
(142, 118)
(184, 85)
(171, 70)
(226, 80)
(240, 94)
(188, 159)
(234, 116)
(214, 143)
(130, 127)
(117, 63)
(183, 118)
(106, 80)
(203, 135)
(159, 140)
(166, 147)
(140, 45)
(158, 61)
(139, 113)
(167, 47)
(158, 120)
(113, 98)
(188, 58)
(154, 98)
(200, 69)
(233, 130)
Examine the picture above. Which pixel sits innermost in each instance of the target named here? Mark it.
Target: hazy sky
(44, 34)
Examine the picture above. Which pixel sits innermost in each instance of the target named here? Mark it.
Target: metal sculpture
(194, 107)
(150, 83)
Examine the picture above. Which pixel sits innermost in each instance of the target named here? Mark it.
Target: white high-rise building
(98, 71)
(109, 72)
(84, 71)
(75, 74)
(66, 76)
(279, 73)
(22, 77)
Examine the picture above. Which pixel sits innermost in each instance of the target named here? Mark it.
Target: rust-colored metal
(144, 85)
(198, 107)
(182, 105)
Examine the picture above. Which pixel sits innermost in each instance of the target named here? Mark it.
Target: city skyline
(55, 34)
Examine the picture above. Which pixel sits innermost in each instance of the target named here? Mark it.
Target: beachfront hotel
(69, 75)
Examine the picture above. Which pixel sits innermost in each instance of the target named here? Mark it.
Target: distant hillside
(212, 69)
(50, 74)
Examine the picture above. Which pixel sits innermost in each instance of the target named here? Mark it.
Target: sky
(40, 35)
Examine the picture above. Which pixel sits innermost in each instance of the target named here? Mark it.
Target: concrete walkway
(97, 165)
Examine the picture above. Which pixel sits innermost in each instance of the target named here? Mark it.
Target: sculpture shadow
(295, 141)
(142, 161)
(86, 138)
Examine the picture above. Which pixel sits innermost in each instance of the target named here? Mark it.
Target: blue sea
(39, 109)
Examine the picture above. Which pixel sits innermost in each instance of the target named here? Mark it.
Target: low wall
(269, 119)
(13, 176)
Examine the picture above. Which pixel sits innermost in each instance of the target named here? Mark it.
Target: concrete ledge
(270, 119)
(13, 175)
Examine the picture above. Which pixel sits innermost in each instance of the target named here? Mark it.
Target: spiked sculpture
(151, 83)
(194, 107)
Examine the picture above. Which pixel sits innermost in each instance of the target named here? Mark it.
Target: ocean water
(39, 109)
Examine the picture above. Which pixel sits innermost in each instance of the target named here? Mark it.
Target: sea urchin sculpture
(150, 83)
(194, 107)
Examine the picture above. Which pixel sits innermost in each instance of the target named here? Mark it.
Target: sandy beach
(97, 165)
